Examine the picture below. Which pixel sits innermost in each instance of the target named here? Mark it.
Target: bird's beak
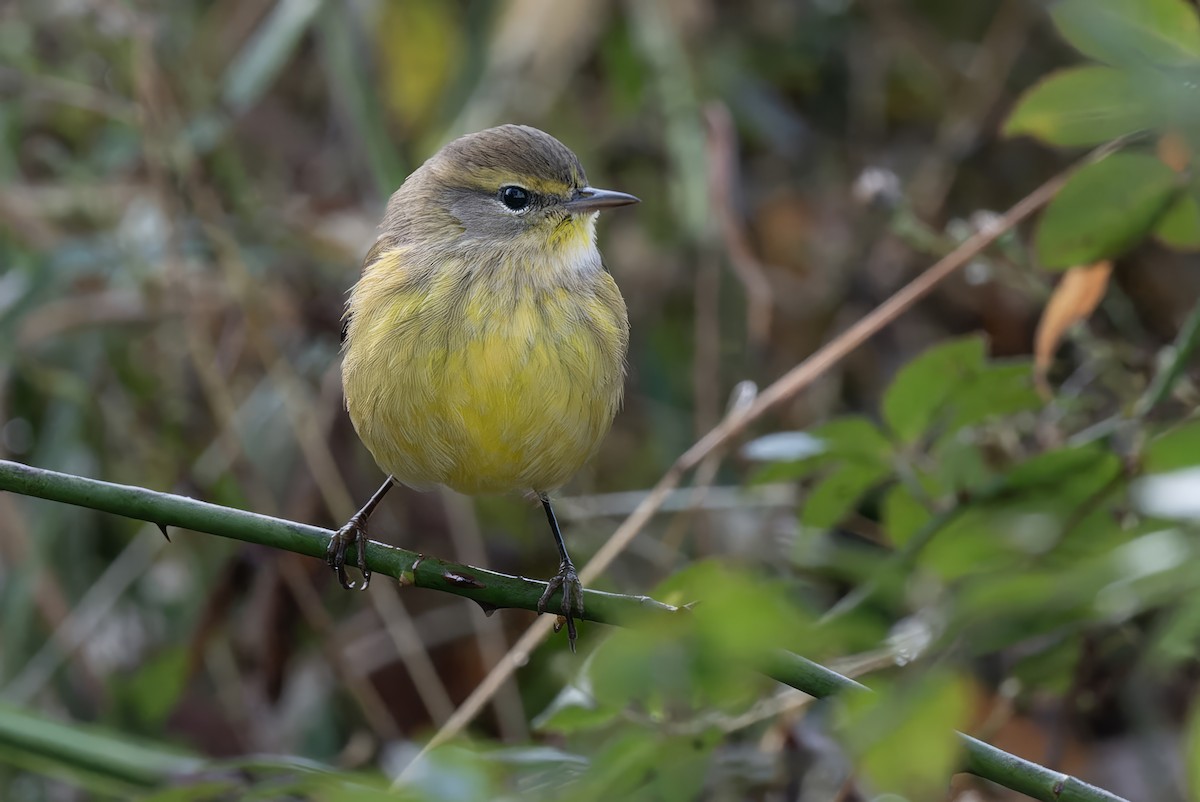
(590, 199)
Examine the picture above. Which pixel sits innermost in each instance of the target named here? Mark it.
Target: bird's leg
(566, 579)
(355, 531)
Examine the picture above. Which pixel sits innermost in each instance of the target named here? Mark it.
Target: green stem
(91, 750)
(1177, 360)
(492, 591)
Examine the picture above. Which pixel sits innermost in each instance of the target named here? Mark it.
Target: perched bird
(485, 341)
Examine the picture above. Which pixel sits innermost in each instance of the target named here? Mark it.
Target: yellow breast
(482, 382)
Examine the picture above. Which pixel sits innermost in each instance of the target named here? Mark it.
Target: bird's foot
(354, 532)
(566, 580)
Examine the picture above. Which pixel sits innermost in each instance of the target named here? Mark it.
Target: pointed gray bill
(590, 199)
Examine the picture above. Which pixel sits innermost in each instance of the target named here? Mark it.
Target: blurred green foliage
(1074, 231)
(188, 188)
(1151, 53)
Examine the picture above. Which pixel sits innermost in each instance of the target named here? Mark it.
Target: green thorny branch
(491, 591)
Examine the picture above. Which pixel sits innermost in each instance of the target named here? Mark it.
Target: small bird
(485, 340)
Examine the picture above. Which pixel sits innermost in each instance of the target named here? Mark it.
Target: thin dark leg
(566, 579)
(355, 531)
(558, 538)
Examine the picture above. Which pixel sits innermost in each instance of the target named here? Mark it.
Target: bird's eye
(515, 198)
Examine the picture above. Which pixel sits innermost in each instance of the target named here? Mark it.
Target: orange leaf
(1173, 151)
(1074, 299)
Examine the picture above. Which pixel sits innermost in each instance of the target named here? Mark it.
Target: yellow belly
(488, 388)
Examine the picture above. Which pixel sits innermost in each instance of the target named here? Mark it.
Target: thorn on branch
(488, 609)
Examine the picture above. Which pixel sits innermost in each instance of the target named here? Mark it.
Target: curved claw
(566, 580)
(335, 555)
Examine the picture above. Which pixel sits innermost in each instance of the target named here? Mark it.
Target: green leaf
(903, 514)
(922, 386)
(1131, 32)
(788, 471)
(1104, 210)
(973, 544)
(740, 616)
(641, 765)
(836, 495)
(621, 767)
(85, 749)
(1000, 390)
(1177, 94)
(903, 737)
(745, 616)
(961, 465)
(1083, 106)
(1068, 474)
(699, 660)
(854, 437)
(647, 666)
(1000, 608)
(678, 771)
(1179, 226)
(1173, 450)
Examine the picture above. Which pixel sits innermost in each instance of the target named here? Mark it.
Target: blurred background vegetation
(188, 189)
